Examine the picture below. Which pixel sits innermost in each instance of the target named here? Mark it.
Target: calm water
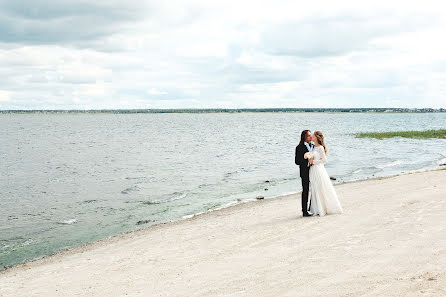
(67, 179)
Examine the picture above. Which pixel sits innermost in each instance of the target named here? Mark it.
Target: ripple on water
(389, 164)
(68, 222)
(134, 188)
(89, 201)
(167, 198)
(441, 161)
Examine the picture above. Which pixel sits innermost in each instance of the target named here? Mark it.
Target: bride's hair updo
(320, 139)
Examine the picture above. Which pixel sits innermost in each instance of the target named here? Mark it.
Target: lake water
(67, 179)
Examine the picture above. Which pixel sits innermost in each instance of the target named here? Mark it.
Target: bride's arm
(322, 159)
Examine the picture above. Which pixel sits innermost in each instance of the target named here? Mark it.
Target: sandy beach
(391, 241)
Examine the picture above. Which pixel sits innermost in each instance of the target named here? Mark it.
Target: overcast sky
(90, 54)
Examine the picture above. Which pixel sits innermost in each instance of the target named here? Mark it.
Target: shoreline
(227, 207)
(266, 249)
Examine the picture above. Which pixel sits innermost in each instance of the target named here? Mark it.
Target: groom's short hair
(303, 135)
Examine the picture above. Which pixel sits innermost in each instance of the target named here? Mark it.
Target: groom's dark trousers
(301, 149)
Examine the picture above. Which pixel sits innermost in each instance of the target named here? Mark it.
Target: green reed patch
(406, 134)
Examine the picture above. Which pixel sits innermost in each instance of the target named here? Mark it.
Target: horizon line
(255, 109)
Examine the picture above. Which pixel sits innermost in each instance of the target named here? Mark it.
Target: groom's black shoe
(306, 214)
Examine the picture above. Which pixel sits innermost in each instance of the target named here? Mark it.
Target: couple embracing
(311, 155)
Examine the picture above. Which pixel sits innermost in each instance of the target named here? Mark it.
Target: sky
(95, 54)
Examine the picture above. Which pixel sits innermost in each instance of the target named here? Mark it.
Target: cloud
(325, 36)
(190, 54)
(5, 96)
(155, 91)
(64, 21)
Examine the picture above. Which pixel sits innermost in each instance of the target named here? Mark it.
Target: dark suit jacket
(301, 149)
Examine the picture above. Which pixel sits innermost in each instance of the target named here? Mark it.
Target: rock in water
(332, 178)
(143, 222)
(260, 197)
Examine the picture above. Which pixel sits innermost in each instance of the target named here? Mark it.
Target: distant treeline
(228, 110)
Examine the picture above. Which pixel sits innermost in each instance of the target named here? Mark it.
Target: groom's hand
(310, 161)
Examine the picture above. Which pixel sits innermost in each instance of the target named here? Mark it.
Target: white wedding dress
(323, 196)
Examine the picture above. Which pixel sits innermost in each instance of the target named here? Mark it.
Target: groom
(305, 145)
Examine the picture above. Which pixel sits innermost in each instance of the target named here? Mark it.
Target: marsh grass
(406, 134)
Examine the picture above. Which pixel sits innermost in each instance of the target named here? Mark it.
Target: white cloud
(176, 54)
(155, 91)
(98, 89)
(5, 96)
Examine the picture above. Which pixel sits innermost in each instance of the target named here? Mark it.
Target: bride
(323, 196)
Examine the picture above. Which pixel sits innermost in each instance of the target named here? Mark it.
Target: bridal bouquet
(308, 155)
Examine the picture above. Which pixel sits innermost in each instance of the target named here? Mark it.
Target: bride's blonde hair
(320, 139)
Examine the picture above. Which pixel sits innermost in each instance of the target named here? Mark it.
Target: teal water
(67, 179)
